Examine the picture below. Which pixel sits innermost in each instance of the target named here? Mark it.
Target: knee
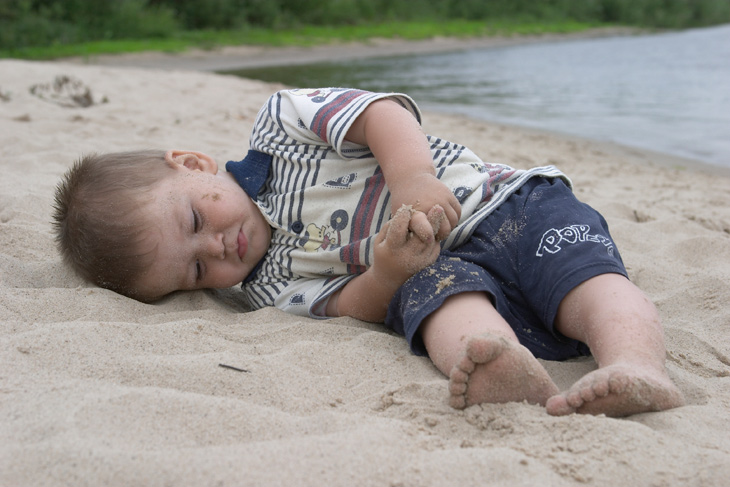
(599, 300)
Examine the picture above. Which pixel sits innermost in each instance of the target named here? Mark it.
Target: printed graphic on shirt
(344, 182)
(326, 237)
(553, 241)
(317, 96)
(462, 193)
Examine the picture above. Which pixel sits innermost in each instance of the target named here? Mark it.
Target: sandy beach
(97, 389)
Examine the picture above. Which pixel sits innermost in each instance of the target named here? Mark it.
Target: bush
(21, 26)
(135, 19)
(206, 14)
(26, 23)
(44, 22)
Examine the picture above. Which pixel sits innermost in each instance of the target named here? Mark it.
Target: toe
(601, 389)
(574, 399)
(482, 350)
(618, 384)
(457, 402)
(457, 388)
(459, 376)
(558, 406)
(466, 364)
(587, 394)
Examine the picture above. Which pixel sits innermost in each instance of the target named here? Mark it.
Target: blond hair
(98, 219)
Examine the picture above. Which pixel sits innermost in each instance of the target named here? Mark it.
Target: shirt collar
(251, 172)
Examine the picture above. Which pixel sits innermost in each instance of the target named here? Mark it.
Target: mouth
(242, 244)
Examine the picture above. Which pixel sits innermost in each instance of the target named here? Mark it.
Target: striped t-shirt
(326, 198)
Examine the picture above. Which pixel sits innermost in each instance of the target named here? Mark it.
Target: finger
(421, 227)
(397, 233)
(429, 255)
(455, 206)
(452, 214)
(436, 217)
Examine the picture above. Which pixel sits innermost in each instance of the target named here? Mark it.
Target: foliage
(47, 23)
(44, 22)
(300, 36)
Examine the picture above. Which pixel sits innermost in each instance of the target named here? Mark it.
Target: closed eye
(197, 225)
(196, 221)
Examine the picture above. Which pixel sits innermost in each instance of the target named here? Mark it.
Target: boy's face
(205, 231)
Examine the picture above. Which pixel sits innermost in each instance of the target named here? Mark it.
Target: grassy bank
(45, 29)
(302, 36)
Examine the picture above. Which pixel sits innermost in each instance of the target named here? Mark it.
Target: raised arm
(402, 150)
(427, 210)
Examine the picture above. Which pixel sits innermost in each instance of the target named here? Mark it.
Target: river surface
(667, 92)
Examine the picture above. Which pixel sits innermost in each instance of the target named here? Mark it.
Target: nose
(213, 246)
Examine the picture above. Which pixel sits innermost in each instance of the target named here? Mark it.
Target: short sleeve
(318, 117)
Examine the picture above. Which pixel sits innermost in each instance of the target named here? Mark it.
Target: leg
(622, 328)
(475, 347)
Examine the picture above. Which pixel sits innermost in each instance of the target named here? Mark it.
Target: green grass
(304, 36)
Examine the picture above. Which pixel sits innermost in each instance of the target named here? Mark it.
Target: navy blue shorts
(527, 255)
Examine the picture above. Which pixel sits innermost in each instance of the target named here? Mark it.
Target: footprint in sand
(68, 92)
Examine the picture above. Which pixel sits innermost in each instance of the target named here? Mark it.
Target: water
(665, 92)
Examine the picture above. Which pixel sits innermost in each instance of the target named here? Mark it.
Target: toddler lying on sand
(343, 206)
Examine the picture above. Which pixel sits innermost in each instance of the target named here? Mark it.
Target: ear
(194, 161)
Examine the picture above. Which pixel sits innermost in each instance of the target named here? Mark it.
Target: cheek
(224, 276)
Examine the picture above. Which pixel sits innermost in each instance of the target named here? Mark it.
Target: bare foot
(496, 370)
(618, 390)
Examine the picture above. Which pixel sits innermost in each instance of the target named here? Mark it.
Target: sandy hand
(424, 226)
(425, 192)
(407, 244)
(436, 216)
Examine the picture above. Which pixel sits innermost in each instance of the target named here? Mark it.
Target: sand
(97, 389)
